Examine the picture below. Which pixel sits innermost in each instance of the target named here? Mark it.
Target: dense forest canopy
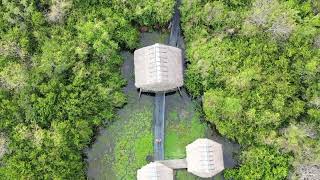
(256, 65)
(60, 78)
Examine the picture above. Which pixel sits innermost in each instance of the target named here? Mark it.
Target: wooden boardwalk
(159, 110)
(159, 124)
(175, 163)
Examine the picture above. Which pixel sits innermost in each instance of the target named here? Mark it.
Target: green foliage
(277, 19)
(134, 145)
(145, 12)
(181, 133)
(185, 175)
(142, 12)
(261, 163)
(60, 78)
(104, 29)
(50, 153)
(316, 6)
(183, 126)
(301, 140)
(256, 65)
(13, 76)
(255, 89)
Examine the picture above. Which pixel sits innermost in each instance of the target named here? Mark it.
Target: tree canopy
(256, 66)
(60, 78)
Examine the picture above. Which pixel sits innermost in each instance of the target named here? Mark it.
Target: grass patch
(183, 127)
(133, 145)
(184, 175)
(180, 133)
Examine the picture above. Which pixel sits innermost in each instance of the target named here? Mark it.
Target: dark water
(100, 156)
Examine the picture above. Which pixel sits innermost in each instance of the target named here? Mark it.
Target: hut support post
(140, 91)
(180, 92)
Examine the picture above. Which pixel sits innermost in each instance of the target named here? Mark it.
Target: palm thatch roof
(205, 158)
(155, 171)
(158, 68)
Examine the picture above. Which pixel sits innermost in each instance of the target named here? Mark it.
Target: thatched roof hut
(205, 158)
(158, 68)
(155, 171)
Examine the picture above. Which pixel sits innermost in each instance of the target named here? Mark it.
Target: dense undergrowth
(60, 78)
(256, 64)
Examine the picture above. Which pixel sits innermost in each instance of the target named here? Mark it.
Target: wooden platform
(175, 163)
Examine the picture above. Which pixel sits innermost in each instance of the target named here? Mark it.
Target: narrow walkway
(175, 163)
(175, 26)
(159, 110)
